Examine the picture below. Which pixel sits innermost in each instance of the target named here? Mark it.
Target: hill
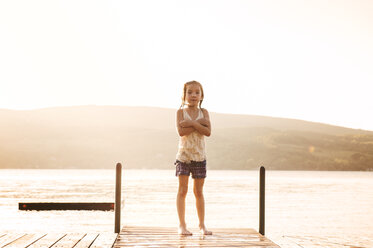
(145, 137)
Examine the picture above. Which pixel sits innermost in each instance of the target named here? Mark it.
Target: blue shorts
(197, 168)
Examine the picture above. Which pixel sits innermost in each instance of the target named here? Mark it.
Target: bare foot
(204, 231)
(183, 231)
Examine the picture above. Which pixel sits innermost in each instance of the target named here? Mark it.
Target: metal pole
(262, 200)
(117, 206)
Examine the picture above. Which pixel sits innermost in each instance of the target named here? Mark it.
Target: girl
(193, 123)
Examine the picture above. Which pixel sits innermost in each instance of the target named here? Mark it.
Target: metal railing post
(262, 200)
(118, 188)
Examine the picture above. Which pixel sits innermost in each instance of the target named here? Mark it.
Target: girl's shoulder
(180, 113)
(180, 110)
(204, 110)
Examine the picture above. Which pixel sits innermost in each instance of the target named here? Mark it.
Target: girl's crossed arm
(185, 128)
(203, 126)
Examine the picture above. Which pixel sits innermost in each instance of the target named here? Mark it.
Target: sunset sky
(309, 60)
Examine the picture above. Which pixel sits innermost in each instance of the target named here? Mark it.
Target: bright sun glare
(304, 60)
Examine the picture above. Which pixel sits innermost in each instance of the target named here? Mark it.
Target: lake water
(303, 208)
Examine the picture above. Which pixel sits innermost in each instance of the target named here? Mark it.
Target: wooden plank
(215, 236)
(170, 230)
(104, 240)
(199, 243)
(141, 237)
(2, 236)
(36, 240)
(9, 238)
(25, 240)
(47, 241)
(168, 237)
(41, 206)
(87, 241)
(69, 240)
(152, 243)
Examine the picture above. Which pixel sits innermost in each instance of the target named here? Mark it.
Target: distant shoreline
(95, 137)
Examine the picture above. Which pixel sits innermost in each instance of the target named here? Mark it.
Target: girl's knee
(198, 193)
(183, 191)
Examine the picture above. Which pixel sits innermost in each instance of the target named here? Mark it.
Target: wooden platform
(46, 206)
(168, 237)
(61, 240)
(139, 237)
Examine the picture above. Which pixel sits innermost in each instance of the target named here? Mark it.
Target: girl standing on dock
(193, 123)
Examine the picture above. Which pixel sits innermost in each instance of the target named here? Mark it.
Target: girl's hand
(186, 123)
(204, 122)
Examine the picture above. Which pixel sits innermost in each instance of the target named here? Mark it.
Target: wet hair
(184, 92)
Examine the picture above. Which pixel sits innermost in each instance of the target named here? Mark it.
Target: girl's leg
(180, 203)
(200, 204)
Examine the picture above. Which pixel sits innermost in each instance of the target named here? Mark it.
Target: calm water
(303, 209)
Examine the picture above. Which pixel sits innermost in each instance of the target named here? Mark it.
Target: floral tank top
(191, 146)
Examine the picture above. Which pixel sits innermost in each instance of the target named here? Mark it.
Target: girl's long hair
(184, 92)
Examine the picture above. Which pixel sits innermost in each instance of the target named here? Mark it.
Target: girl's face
(193, 95)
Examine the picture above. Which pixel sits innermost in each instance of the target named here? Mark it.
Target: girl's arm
(204, 122)
(185, 129)
(203, 126)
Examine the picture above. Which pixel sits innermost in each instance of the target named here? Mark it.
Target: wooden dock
(130, 236)
(60, 240)
(168, 237)
(140, 237)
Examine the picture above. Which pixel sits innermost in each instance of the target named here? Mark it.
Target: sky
(309, 60)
